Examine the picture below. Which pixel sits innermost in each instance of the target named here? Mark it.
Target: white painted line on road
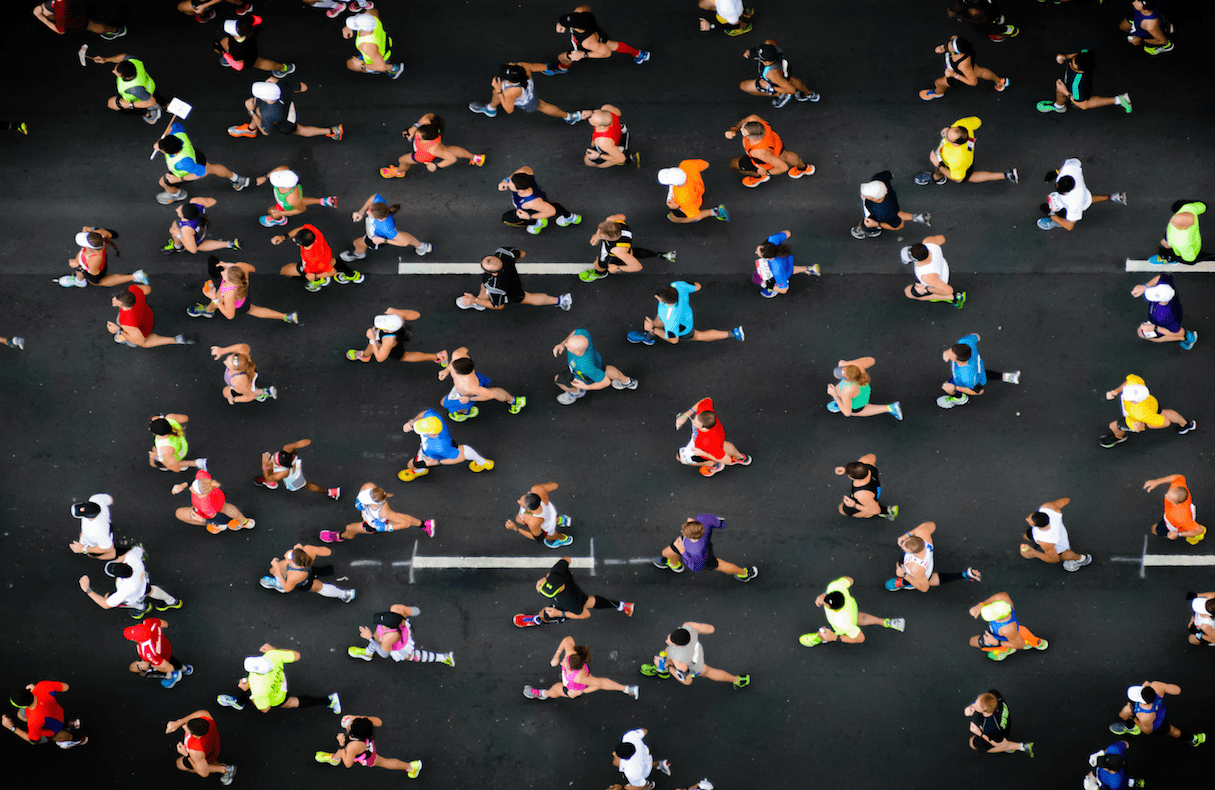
(359, 563)
(592, 557)
(1178, 560)
(495, 563)
(475, 268)
(1144, 266)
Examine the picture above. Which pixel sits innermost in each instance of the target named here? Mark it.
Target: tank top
(935, 264)
(372, 510)
(528, 95)
(196, 223)
(186, 152)
(927, 563)
(225, 287)
(606, 247)
(771, 140)
(295, 480)
(548, 512)
(280, 197)
(230, 374)
(422, 148)
(873, 486)
(87, 256)
(995, 625)
(950, 63)
(367, 758)
(612, 133)
(178, 443)
(141, 79)
(519, 200)
(568, 675)
(377, 37)
(1156, 709)
(1140, 18)
(207, 744)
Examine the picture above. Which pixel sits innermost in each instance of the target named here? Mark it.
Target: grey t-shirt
(691, 654)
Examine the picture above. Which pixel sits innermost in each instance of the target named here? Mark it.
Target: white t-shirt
(295, 479)
(372, 510)
(936, 264)
(637, 768)
(131, 590)
(1078, 199)
(730, 10)
(1054, 532)
(95, 532)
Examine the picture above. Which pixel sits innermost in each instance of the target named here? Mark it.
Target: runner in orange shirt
(766, 154)
(1179, 512)
(686, 193)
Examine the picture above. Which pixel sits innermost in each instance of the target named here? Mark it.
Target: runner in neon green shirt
(1182, 242)
(845, 617)
(266, 685)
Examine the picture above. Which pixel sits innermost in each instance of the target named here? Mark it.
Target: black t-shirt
(274, 113)
(504, 285)
(243, 51)
(888, 210)
(995, 726)
(571, 598)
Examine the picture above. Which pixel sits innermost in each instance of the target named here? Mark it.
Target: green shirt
(1187, 243)
(270, 690)
(177, 442)
(843, 621)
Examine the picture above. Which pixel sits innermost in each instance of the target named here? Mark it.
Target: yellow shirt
(960, 156)
(1145, 411)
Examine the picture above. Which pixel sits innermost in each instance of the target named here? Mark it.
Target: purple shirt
(1168, 315)
(695, 552)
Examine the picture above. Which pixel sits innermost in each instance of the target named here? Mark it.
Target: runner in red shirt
(43, 716)
(199, 748)
(135, 319)
(609, 141)
(64, 15)
(708, 448)
(156, 653)
(317, 264)
(207, 500)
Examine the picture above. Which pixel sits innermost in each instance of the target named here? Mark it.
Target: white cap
(388, 323)
(672, 177)
(230, 27)
(259, 665)
(873, 190)
(284, 179)
(905, 256)
(1161, 293)
(1135, 694)
(82, 238)
(1199, 605)
(267, 91)
(1135, 393)
(364, 23)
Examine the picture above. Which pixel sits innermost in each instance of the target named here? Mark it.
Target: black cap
(86, 510)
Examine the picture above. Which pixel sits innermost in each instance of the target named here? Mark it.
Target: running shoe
(428, 526)
(1109, 440)
(573, 117)
(335, 702)
(669, 257)
(960, 300)
(1046, 105)
(591, 275)
(390, 172)
(517, 404)
(215, 529)
(949, 401)
(396, 71)
(161, 606)
(152, 115)
(833, 407)
(810, 96)
(815, 271)
(350, 279)
(1071, 566)
(896, 409)
(1011, 378)
(895, 623)
(644, 338)
(423, 249)
(1042, 645)
(359, 652)
(565, 302)
(327, 758)
(261, 481)
(929, 95)
(72, 281)
(336, 11)
(171, 679)
(810, 640)
(350, 256)
(244, 130)
(139, 615)
(627, 607)
(478, 160)
(485, 467)
(347, 597)
(1119, 197)
(897, 583)
(1003, 84)
(1125, 101)
(923, 219)
(631, 384)
(782, 100)
(665, 564)
(568, 398)
(720, 213)
(288, 68)
(229, 701)
(970, 574)
(336, 133)
(526, 620)
(738, 333)
(415, 768)
(922, 179)
(559, 540)
(742, 682)
(765, 293)
(165, 198)
(532, 693)
(1184, 429)
(481, 108)
(738, 31)
(449, 659)
(748, 575)
(1118, 728)
(229, 770)
(240, 182)
(119, 33)
(754, 181)
(1000, 655)
(1046, 223)
(269, 222)
(269, 583)
(641, 57)
(17, 342)
(461, 416)
(290, 318)
(537, 226)
(664, 766)
(473, 306)
(860, 232)
(1168, 47)
(1028, 748)
(171, 247)
(633, 691)
(709, 471)
(334, 493)
(1191, 338)
(409, 475)
(795, 173)
(746, 461)
(1198, 740)
(331, 536)
(650, 671)
(572, 219)
(892, 512)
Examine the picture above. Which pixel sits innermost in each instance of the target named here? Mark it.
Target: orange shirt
(1180, 515)
(690, 196)
(771, 140)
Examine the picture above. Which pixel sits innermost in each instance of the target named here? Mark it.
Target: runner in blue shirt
(968, 375)
(674, 319)
(587, 371)
(380, 227)
(774, 266)
(438, 448)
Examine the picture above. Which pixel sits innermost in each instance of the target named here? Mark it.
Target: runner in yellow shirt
(1140, 410)
(955, 155)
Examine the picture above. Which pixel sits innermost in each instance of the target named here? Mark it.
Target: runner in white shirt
(96, 538)
(132, 587)
(372, 502)
(917, 569)
(287, 467)
(1046, 530)
(632, 757)
(1066, 205)
(1202, 621)
(931, 273)
(538, 517)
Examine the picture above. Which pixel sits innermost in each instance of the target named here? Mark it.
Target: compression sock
(311, 702)
(625, 49)
(425, 656)
(605, 603)
(331, 591)
(472, 454)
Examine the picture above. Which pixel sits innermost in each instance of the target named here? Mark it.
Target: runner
(586, 369)
(155, 653)
(357, 745)
(1164, 314)
(539, 515)
(90, 262)
(576, 677)
(1066, 205)
(373, 45)
(1147, 715)
(63, 15)
(961, 69)
(1202, 618)
(988, 716)
(207, 501)
(199, 748)
(531, 208)
(185, 163)
(500, 285)
(232, 297)
(96, 537)
(728, 16)
(238, 49)
(1109, 769)
(617, 255)
(317, 264)
(693, 550)
(387, 338)
(684, 658)
(609, 140)
(286, 466)
(881, 208)
(774, 266)
(515, 89)
(1004, 635)
(968, 376)
(468, 387)
(203, 12)
(765, 153)
(13, 342)
(774, 78)
(686, 193)
(916, 569)
(132, 587)
(954, 156)
(588, 40)
(1183, 238)
(1047, 532)
(437, 448)
(189, 231)
(378, 516)
(1145, 27)
(266, 685)
(39, 709)
(1179, 516)
(428, 149)
(568, 601)
(271, 106)
(135, 320)
(136, 88)
(240, 375)
(931, 273)
(853, 388)
(1076, 87)
(380, 227)
(297, 571)
(708, 447)
(674, 320)
(289, 199)
(1139, 412)
(866, 490)
(393, 638)
(632, 757)
(985, 16)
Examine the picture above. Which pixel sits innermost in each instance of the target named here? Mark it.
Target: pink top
(568, 676)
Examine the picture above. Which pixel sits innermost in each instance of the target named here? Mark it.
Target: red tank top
(612, 133)
(422, 148)
(207, 744)
(209, 504)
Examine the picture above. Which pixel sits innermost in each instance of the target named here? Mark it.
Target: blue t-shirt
(440, 445)
(695, 552)
(1114, 780)
(782, 265)
(384, 228)
(589, 366)
(972, 373)
(677, 318)
(1168, 315)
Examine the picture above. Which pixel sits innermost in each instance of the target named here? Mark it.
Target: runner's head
(680, 637)
(1083, 61)
(609, 230)
(753, 130)
(86, 510)
(834, 600)
(284, 458)
(986, 704)
(383, 210)
(463, 365)
(428, 426)
(856, 470)
(512, 73)
(856, 375)
(125, 69)
(705, 420)
(198, 727)
(692, 530)
(1144, 695)
(624, 750)
(770, 250)
(258, 665)
(169, 144)
(1065, 184)
(300, 558)
(1038, 519)
(22, 699)
(361, 729)
(913, 544)
(874, 190)
(577, 345)
(389, 323)
(521, 182)
(361, 23)
(159, 426)
(304, 237)
(957, 134)
(579, 657)
(267, 91)
(491, 263)
(118, 570)
(767, 53)
(996, 610)
(1161, 293)
(601, 119)
(124, 300)
(672, 177)
(378, 494)
(90, 239)
(667, 294)
(431, 130)
(530, 501)
(961, 352)
(1177, 494)
(1202, 605)
(918, 252)
(284, 179)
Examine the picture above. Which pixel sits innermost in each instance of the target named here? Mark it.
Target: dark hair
(361, 729)
(22, 699)
(432, 130)
(198, 726)
(625, 750)
(1039, 519)
(383, 210)
(708, 418)
(1084, 61)
(522, 181)
(192, 212)
(667, 294)
(244, 26)
(681, 636)
(126, 69)
(301, 558)
(919, 252)
(856, 470)
(579, 657)
(834, 600)
(170, 144)
(126, 299)
(769, 250)
(1065, 185)
(1111, 762)
(160, 426)
(511, 72)
(1148, 693)
(961, 351)
(1210, 605)
(1148, 5)
(964, 47)
(305, 237)
(531, 501)
(463, 365)
(284, 458)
